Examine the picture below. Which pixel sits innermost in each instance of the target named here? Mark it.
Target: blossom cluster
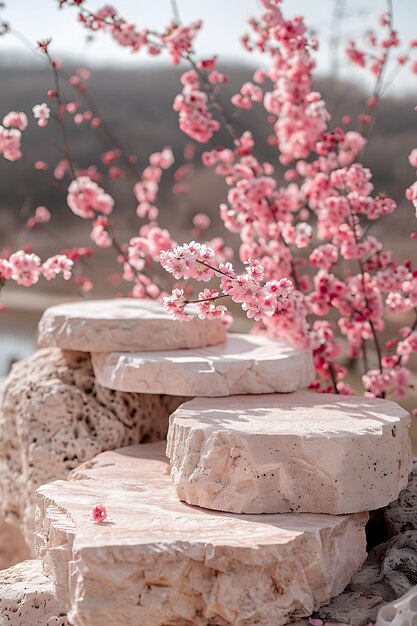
(315, 272)
(257, 298)
(26, 268)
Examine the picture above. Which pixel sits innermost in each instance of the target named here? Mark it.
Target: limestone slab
(159, 562)
(54, 416)
(302, 452)
(123, 324)
(246, 364)
(27, 597)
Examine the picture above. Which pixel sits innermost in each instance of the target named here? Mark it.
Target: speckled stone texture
(13, 548)
(54, 416)
(300, 452)
(123, 324)
(158, 562)
(246, 364)
(27, 597)
(401, 515)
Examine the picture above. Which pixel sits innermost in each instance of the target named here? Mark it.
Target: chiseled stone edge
(207, 468)
(93, 570)
(205, 376)
(77, 333)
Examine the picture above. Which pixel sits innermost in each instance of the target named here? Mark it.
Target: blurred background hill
(137, 107)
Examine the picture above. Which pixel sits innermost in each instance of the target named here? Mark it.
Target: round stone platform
(158, 562)
(300, 452)
(123, 324)
(247, 364)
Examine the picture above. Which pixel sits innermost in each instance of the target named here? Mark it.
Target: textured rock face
(158, 562)
(123, 324)
(389, 572)
(401, 515)
(13, 548)
(245, 364)
(27, 597)
(54, 416)
(295, 452)
(402, 612)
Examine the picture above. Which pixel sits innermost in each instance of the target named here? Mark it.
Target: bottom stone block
(158, 562)
(27, 597)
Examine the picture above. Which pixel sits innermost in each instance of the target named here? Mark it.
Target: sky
(225, 21)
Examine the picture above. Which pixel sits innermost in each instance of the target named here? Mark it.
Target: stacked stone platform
(299, 452)
(279, 480)
(158, 562)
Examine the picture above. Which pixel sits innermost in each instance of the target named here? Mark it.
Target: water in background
(13, 347)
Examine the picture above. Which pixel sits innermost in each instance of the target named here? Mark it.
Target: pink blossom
(10, 143)
(194, 117)
(188, 261)
(25, 268)
(86, 198)
(100, 232)
(201, 221)
(41, 112)
(175, 304)
(99, 513)
(6, 270)
(324, 256)
(412, 158)
(42, 215)
(56, 265)
(207, 308)
(18, 119)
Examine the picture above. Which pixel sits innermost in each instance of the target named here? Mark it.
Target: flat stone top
(245, 364)
(123, 324)
(302, 413)
(134, 485)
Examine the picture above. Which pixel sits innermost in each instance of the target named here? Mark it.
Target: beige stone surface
(54, 416)
(27, 597)
(13, 548)
(158, 562)
(246, 364)
(302, 452)
(123, 324)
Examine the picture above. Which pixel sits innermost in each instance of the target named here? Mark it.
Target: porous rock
(158, 562)
(27, 597)
(123, 324)
(54, 416)
(299, 452)
(246, 364)
(389, 572)
(401, 612)
(401, 515)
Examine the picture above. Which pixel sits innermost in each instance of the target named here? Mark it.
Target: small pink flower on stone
(99, 513)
